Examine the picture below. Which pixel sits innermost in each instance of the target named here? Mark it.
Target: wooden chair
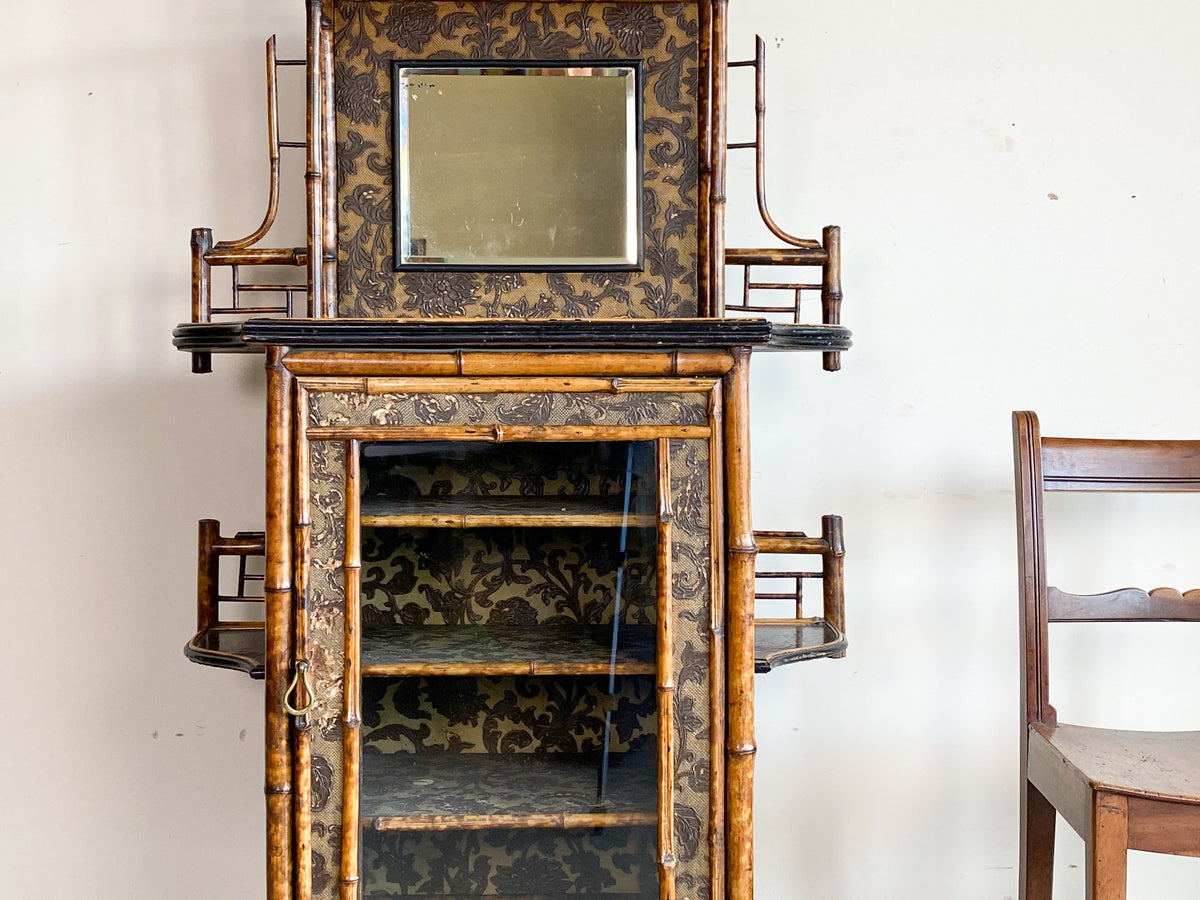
(1119, 790)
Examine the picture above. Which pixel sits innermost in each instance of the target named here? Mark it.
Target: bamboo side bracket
(243, 251)
(800, 252)
(224, 643)
(779, 641)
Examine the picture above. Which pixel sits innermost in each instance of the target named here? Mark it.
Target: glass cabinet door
(513, 644)
(509, 674)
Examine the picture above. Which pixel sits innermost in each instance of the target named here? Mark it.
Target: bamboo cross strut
(602, 785)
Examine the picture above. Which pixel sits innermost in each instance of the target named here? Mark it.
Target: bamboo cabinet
(509, 579)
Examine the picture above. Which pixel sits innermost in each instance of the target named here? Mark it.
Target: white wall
(934, 133)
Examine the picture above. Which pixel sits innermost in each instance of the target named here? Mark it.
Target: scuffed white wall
(936, 134)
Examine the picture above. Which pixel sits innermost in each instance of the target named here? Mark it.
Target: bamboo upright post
(351, 685)
(207, 574)
(716, 646)
(303, 739)
(716, 224)
(832, 575)
(201, 291)
(314, 139)
(741, 552)
(328, 164)
(831, 290)
(666, 679)
(277, 589)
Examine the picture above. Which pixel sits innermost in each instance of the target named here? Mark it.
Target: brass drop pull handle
(301, 677)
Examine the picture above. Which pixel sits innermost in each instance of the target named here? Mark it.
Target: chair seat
(1160, 765)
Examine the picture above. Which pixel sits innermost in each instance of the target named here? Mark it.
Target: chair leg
(1107, 847)
(1037, 845)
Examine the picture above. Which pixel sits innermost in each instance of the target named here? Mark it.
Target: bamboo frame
(211, 547)
(313, 139)
(507, 385)
(303, 740)
(273, 157)
(741, 552)
(206, 254)
(277, 588)
(716, 651)
(501, 520)
(666, 679)
(534, 384)
(515, 668)
(600, 363)
(831, 290)
(759, 64)
(328, 247)
(504, 433)
(352, 681)
(532, 820)
(716, 225)
(732, 556)
(832, 549)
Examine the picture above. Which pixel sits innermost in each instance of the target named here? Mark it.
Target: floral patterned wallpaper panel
(368, 36)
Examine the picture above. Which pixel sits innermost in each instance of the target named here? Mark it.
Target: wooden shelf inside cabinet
(471, 791)
(397, 650)
(489, 512)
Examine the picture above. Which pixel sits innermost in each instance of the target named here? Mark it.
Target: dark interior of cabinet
(509, 723)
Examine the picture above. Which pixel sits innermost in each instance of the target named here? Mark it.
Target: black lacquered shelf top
(506, 334)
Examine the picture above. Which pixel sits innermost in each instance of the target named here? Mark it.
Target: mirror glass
(504, 167)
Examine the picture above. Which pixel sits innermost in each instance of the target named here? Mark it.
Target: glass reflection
(520, 168)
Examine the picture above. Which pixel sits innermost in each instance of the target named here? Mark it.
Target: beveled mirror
(500, 167)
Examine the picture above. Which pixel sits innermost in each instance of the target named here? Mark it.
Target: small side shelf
(779, 641)
(243, 648)
(239, 645)
(471, 791)
(398, 650)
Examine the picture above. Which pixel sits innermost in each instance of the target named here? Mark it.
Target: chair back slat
(1082, 464)
(1124, 605)
(1086, 464)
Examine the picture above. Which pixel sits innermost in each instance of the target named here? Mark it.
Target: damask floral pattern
(616, 863)
(635, 27)
(370, 35)
(499, 576)
(631, 408)
(326, 627)
(505, 714)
